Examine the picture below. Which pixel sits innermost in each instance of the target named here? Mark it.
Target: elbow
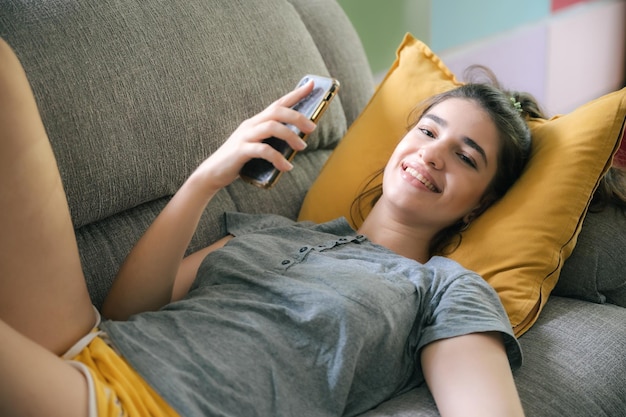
(112, 312)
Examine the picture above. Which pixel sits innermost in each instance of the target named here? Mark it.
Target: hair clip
(517, 105)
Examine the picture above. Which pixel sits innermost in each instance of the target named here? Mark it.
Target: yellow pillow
(518, 245)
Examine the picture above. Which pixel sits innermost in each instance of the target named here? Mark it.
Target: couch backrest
(135, 94)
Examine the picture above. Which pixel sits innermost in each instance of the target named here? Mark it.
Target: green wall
(381, 26)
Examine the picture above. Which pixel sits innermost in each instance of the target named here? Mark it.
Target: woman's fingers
(281, 130)
(281, 110)
(295, 95)
(278, 120)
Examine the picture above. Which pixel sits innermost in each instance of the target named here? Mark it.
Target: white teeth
(421, 179)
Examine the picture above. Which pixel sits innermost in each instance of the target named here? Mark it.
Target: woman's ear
(484, 204)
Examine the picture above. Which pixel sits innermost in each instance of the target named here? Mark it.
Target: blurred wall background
(565, 52)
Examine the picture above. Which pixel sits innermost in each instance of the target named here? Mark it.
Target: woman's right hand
(246, 142)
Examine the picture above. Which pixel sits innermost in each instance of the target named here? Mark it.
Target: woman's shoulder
(450, 266)
(449, 277)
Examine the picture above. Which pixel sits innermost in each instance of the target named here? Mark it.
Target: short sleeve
(467, 304)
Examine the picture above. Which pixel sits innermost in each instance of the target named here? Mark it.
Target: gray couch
(134, 94)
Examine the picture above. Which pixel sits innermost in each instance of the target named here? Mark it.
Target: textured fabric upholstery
(561, 380)
(595, 271)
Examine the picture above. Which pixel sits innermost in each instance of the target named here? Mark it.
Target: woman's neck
(406, 240)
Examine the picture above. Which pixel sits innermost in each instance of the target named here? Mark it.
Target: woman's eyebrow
(472, 144)
(467, 140)
(435, 119)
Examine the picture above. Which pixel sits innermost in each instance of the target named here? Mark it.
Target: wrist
(199, 186)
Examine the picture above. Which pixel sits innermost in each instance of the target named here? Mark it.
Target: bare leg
(35, 382)
(44, 304)
(42, 288)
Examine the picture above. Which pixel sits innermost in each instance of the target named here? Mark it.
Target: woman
(283, 318)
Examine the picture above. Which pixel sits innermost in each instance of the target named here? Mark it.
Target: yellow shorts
(115, 389)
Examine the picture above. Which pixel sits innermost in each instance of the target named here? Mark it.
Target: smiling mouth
(420, 178)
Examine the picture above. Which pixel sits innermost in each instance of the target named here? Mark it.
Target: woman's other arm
(145, 280)
(189, 268)
(470, 376)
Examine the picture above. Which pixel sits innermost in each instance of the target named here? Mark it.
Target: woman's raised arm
(146, 279)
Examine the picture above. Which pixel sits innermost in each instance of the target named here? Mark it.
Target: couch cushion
(595, 270)
(574, 364)
(519, 245)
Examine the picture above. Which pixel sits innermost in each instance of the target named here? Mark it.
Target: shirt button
(360, 236)
(303, 249)
(342, 239)
(286, 262)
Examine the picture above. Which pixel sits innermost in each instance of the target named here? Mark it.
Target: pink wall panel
(561, 4)
(586, 59)
(518, 59)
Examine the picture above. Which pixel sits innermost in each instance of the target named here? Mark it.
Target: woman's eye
(427, 132)
(466, 159)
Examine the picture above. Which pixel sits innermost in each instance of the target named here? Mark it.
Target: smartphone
(262, 173)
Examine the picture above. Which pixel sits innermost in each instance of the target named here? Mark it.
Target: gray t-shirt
(297, 319)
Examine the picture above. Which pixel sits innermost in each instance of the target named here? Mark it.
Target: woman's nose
(433, 154)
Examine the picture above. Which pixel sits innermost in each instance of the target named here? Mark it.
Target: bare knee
(36, 382)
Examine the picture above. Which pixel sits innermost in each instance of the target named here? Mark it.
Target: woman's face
(441, 169)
